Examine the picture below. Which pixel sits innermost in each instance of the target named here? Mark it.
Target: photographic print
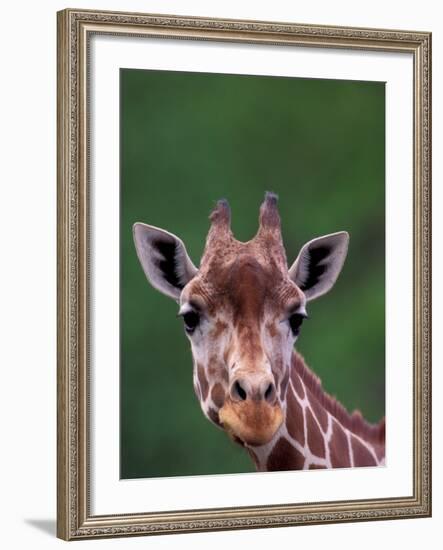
(243, 274)
(264, 347)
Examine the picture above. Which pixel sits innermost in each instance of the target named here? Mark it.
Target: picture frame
(77, 251)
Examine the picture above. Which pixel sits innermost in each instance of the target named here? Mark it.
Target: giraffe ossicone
(242, 310)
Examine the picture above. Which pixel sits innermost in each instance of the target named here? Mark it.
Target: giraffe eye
(191, 320)
(295, 322)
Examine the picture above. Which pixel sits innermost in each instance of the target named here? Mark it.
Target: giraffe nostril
(238, 392)
(270, 393)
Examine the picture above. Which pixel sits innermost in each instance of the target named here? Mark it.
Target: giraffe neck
(318, 432)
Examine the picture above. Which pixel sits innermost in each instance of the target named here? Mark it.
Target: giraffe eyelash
(300, 312)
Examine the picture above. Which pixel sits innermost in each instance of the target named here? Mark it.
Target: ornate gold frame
(75, 27)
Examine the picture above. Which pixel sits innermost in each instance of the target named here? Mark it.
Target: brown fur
(379, 451)
(295, 379)
(247, 286)
(213, 415)
(219, 329)
(320, 414)
(217, 370)
(284, 457)
(204, 385)
(315, 438)
(362, 457)
(218, 395)
(339, 447)
(354, 422)
(284, 384)
(272, 329)
(294, 420)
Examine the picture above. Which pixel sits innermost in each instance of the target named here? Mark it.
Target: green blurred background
(188, 139)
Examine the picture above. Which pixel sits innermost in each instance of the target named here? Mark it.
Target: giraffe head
(242, 310)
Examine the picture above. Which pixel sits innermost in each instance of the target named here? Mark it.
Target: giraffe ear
(319, 264)
(164, 259)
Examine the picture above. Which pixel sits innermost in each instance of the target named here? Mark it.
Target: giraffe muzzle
(253, 422)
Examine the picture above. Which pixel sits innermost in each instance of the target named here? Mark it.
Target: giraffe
(243, 310)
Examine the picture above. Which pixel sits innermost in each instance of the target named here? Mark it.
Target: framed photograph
(244, 258)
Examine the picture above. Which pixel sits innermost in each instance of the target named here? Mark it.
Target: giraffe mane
(352, 421)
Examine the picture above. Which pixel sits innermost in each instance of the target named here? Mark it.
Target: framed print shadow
(269, 365)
